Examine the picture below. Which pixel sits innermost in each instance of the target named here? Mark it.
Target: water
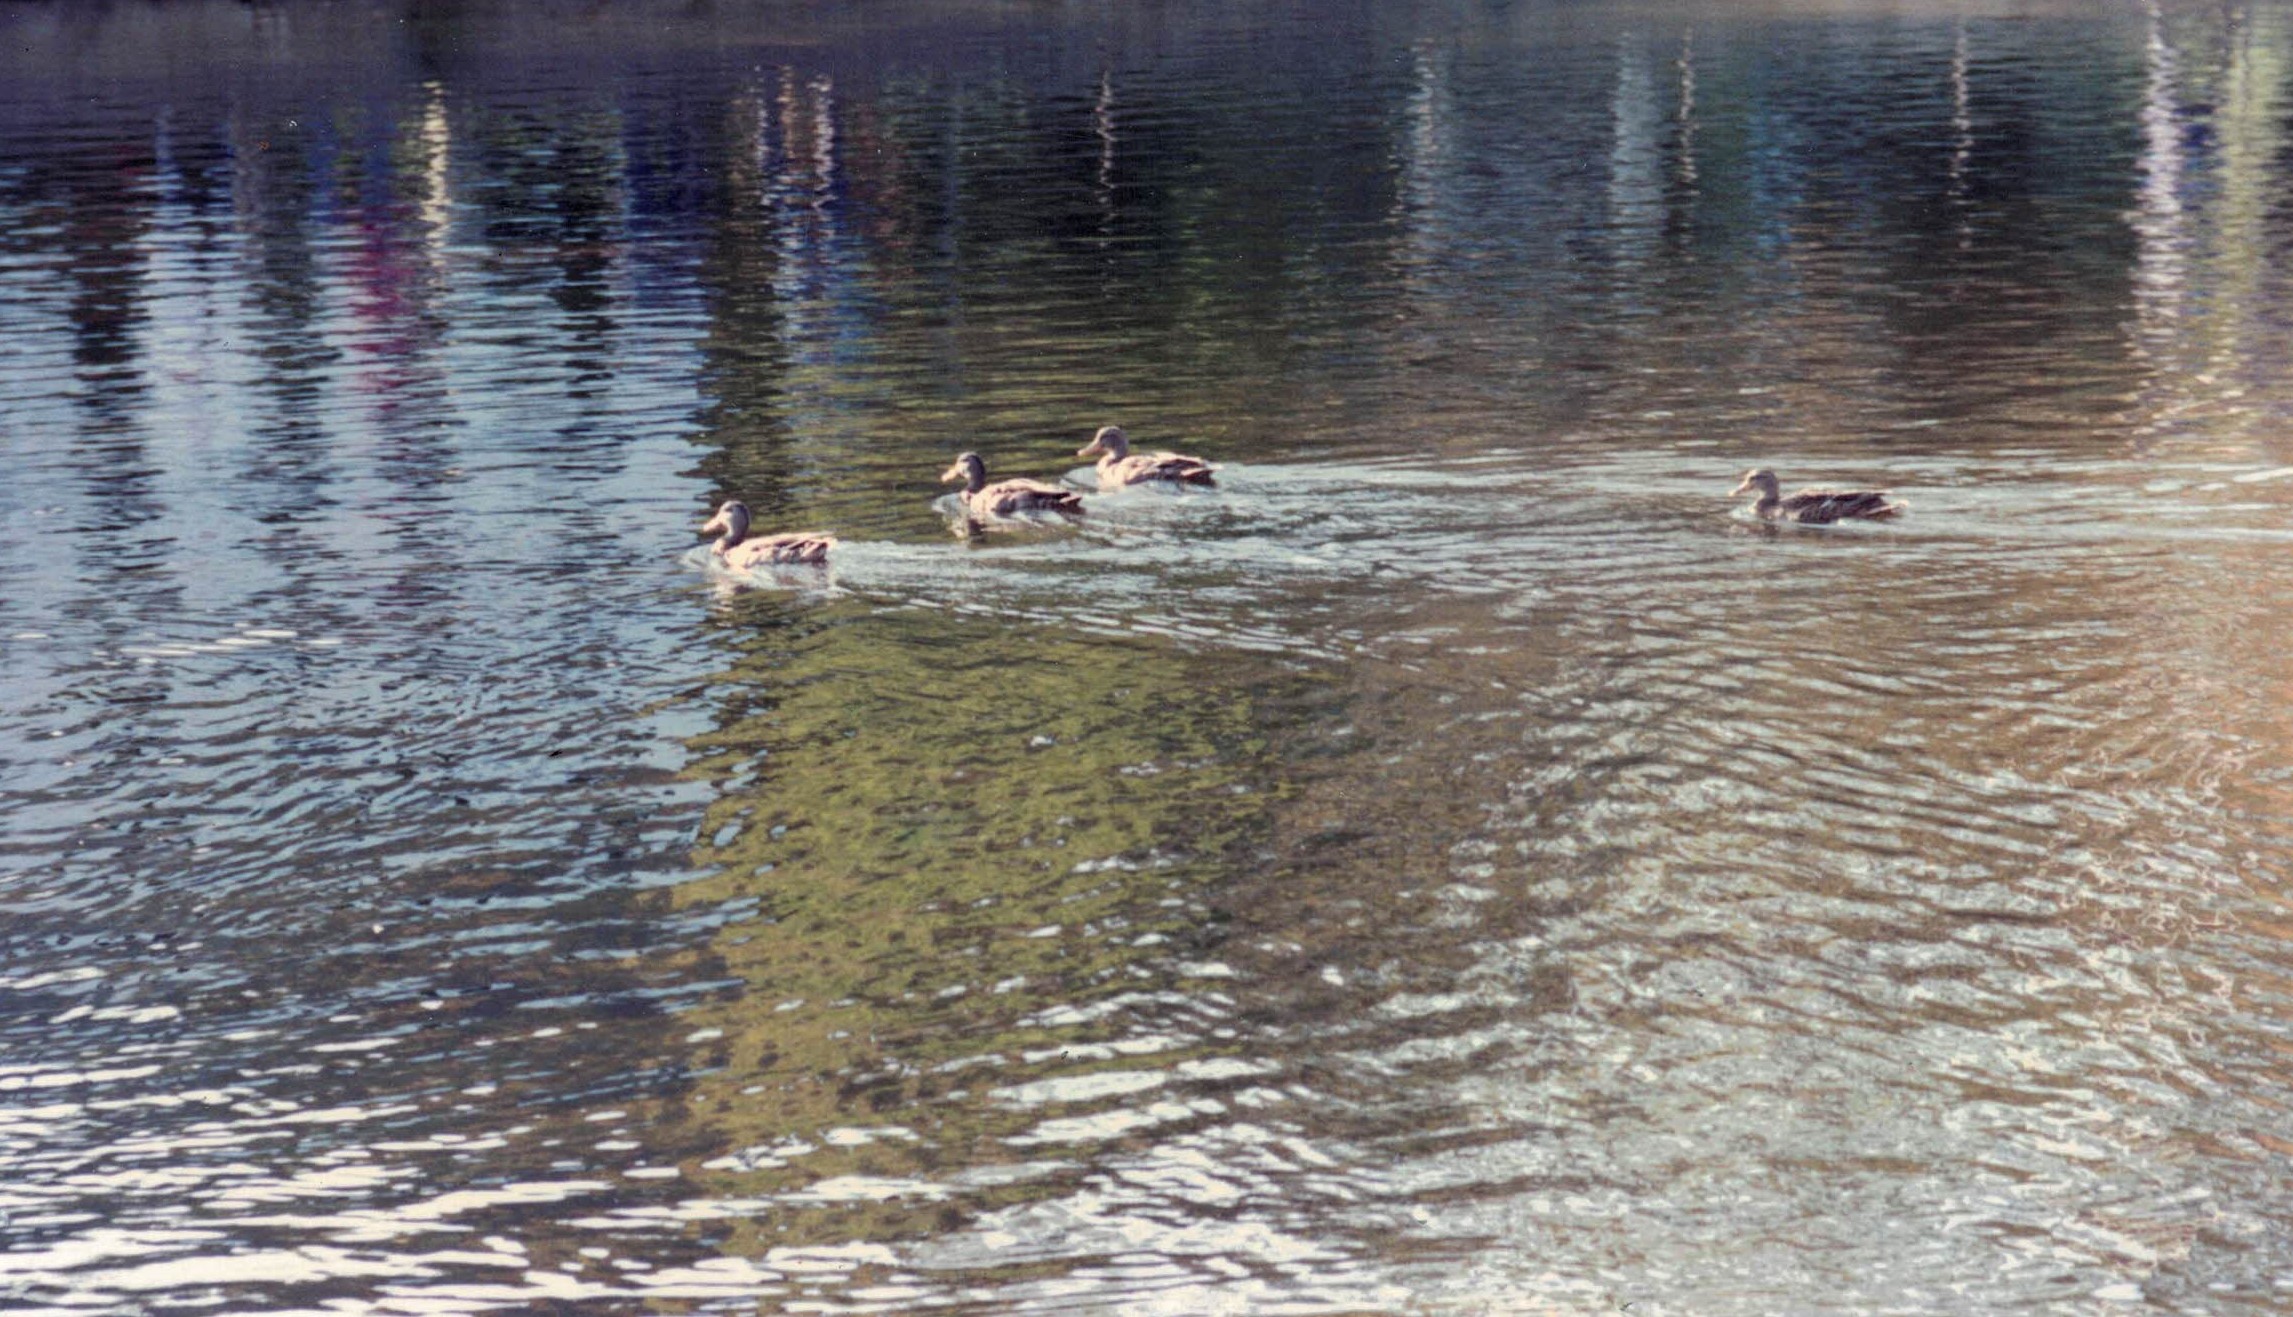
(1462, 864)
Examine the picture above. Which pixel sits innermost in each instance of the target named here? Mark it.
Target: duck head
(1109, 440)
(731, 523)
(971, 469)
(1762, 480)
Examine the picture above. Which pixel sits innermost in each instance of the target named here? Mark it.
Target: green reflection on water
(959, 837)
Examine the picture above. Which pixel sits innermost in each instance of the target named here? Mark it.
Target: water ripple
(1462, 862)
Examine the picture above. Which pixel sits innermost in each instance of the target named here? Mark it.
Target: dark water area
(1464, 863)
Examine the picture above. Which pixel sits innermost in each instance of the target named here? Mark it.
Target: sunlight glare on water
(1462, 863)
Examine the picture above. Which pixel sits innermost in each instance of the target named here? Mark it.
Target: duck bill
(1091, 449)
(1745, 488)
(716, 526)
(952, 474)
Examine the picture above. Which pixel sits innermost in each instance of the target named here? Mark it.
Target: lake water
(1462, 864)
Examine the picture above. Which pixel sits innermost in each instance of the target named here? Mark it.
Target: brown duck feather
(1118, 466)
(797, 549)
(1814, 507)
(1818, 506)
(1007, 498)
(1140, 468)
(735, 549)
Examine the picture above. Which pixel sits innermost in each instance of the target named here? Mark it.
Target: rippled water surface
(1462, 863)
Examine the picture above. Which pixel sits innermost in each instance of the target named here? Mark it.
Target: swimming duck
(1815, 507)
(737, 551)
(1007, 497)
(1118, 468)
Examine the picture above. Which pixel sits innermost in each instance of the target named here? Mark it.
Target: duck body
(1815, 507)
(1119, 466)
(1007, 498)
(736, 550)
(795, 549)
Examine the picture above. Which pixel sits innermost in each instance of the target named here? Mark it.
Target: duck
(1117, 467)
(1815, 507)
(737, 551)
(1006, 498)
